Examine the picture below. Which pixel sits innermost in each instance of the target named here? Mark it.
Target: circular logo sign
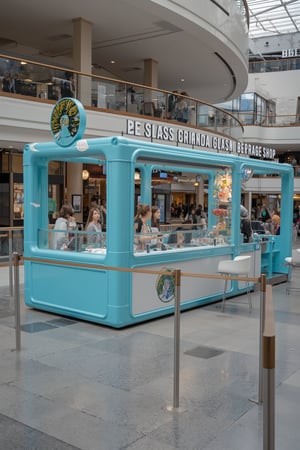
(68, 120)
(165, 286)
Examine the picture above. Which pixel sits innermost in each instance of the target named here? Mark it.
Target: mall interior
(182, 106)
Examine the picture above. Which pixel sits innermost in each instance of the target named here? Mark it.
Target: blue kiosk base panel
(72, 291)
(112, 298)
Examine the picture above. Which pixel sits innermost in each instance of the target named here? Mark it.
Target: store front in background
(12, 188)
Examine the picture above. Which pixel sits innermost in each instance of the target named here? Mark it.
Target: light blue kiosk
(96, 283)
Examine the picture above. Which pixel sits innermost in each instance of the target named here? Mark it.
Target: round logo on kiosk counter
(165, 286)
(68, 121)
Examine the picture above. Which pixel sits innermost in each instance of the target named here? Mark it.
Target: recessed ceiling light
(182, 80)
(113, 62)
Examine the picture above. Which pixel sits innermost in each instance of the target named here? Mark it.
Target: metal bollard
(16, 259)
(176, 339)
(11, 261)
(269, 394)
(263, 284)
(269, 379)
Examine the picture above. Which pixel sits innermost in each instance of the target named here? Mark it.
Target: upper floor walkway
(28, 100)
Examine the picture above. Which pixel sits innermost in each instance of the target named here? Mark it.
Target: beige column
(82, 56)
(74, 184)
(150, 79)
(151, 73)
(199, 190)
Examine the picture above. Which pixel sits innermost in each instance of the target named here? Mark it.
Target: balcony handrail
(245, 10)
(196, 104)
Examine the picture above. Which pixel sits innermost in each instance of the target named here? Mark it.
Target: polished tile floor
(76, 385)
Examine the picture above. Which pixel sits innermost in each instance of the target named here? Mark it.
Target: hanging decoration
(223, 186)
(246, 173)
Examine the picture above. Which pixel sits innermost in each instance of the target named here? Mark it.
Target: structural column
(199, 191)
(151, 73)
(82, 58)
(150, 79)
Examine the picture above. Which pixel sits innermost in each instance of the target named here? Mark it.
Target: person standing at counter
(265, 215)
(276, 222)
(142, 227)
(155, 218)
(61, 238)
(246, 228)
(93, 227)
(192, 218)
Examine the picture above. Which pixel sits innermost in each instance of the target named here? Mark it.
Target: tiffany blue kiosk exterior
(60, 282)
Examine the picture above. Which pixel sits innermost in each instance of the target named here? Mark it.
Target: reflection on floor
(77, 385)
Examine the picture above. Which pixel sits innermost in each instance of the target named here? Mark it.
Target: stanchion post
(263, 284)
(269, 381)
(11, 261)
(176, 339)
(16, 259)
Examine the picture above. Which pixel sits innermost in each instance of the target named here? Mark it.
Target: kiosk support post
(176, 338)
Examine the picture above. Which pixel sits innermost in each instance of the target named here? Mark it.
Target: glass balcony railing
(31, 79)
(274, 65)
(11, 240)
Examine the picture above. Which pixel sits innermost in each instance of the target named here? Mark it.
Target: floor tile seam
(67, 405)
(132, 425)
(46, 366)
(6, 327)
(228, 427)
(42, 396)
(35, 429)
(285, 380)
(43, 425)
(206, 401)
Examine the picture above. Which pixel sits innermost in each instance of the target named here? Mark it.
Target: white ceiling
(273, 17)
(128, 32)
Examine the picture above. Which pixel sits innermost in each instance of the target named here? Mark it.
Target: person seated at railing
(7, 83)
(67, 85)
(211, 117)
(172, 100)
(294, 164)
